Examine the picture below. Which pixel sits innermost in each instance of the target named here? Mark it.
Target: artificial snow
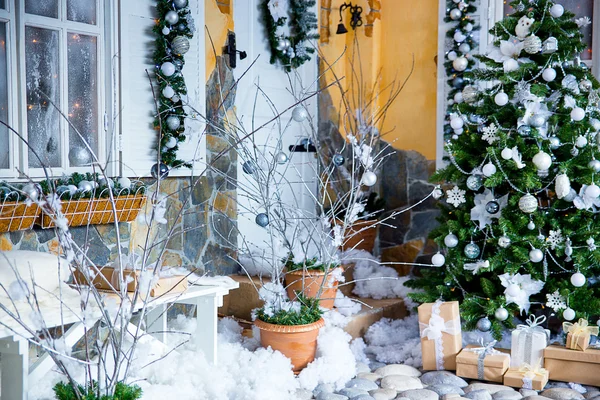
(395, 341)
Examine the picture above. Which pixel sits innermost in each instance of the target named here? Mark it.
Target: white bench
(14, 350)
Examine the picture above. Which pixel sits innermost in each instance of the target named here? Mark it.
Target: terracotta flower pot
(297, 342)
(360, 235)
(313, 281)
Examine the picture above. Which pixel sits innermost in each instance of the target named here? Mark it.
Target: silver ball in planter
(249, 167)
(85, 186)
(281, 158)
(338, 159)
(31, 191)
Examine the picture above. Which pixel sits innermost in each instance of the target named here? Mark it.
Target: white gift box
(528, 343)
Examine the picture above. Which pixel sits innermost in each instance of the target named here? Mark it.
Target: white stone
(486, 386)
(363, 397)
(369, 376)
(419, 394)
(451, 396)
(362, 384)
(331, 396)
(323, 388)
(562, 394)
(383, 394)
(527, 392)
(507, 395)
(362, 367)
(442, 378)
(303, 394)
(398, 369)
(480, 394)
(352, 392)
(401, 382)
(443, 389)
(536, 398)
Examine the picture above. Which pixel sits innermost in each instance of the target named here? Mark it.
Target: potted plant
(64, 391)
(313, 279)
(289, 326)
(361, 223)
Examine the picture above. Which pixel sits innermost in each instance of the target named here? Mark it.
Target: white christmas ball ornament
(513, 290)
(281, 158)
(569, 314)
(457, 122)
(166, 30)
(173, 122)
(581, 141)
(549, 74)
(592, 191)
(542, 161)
(511, 65)
(528, 203)
(501, 99)
(455, 14)
(458, 97)
(369, 178)
(168, 92)
(172, 142)
(469, 27)
(557, 10)
(464, 48)
(172, 17)
(451, 240)
(578, 279)
(460, 64)
(506, 153)
(124, 182)
(501, 314)
(577, 114)
(536, 255)
(438, 259)
(299, 114)
(452, 56)
(167, 68)
(489, 169)
(459, 37)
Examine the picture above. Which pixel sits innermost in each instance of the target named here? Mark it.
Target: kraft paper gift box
(107, 279)
(573, 366)
(527, 377)
(483, 363)
(579, 334)
(528, 343)
(441, 336)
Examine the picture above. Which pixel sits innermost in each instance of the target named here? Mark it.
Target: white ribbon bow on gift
(533, 323)
(437, 326)
(485, 349)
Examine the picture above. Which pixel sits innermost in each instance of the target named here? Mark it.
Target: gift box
(483, 363)
(527, 377)
(528, 343)
(108, 279)
(579, 334)
(441, 336)
(568, 365)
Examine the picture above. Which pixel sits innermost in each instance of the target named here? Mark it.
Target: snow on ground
(395, 341)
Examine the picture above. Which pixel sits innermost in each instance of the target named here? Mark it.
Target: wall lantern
(355, 18)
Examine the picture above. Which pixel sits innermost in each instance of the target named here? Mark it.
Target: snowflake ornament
(555, 238)
(591, 244)
(489, 133)
(583, 22)
(456, 196)
(555, 301)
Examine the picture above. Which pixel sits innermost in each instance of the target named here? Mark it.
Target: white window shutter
(138, 137)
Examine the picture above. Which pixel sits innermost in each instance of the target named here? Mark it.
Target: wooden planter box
(17, 216)
(97, 211)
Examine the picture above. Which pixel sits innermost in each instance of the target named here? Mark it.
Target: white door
(255, 108)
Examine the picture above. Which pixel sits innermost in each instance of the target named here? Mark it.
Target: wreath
(289, 30)
(174, 28)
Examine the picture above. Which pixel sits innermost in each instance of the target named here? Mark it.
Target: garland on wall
(290, 25)
(174, 28)
(459, 58)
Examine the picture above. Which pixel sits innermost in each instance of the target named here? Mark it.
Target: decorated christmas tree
(519, 226)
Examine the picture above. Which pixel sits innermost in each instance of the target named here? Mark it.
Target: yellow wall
(405, 29)
(218, 24)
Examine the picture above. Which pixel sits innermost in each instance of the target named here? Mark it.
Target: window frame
(18, 158)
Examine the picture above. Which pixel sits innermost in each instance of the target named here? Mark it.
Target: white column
(206, 331)
(156, 322)
(14, 365)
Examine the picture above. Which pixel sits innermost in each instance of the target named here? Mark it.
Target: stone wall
(201, 212)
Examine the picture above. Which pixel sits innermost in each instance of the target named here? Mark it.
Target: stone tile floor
(378, 381)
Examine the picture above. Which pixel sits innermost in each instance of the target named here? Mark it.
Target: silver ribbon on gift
(525, 344)
(484, 351)
(435, 329)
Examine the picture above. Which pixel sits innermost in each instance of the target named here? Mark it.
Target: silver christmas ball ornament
(557, 10)
(85, 186)
(281, 44)
(484, 324)
(79, 157)
(173, 122)
(549, 74)
(62, 189)
(338, 159)
(585, 85)
(166, 30)
(180, 45)
(554, 142)
(451, 240)
(472, 250)
(504, 242)
(172, 17)
(159, 170)
(262, 219)
(171, 142)
(594, 165)
(460, 64)
(532, 44)
(569, 314)
(180, 3)
(31, 191)
(474, 182)
(455, 14)
(369, 178)
(438, 259)
(470, 94)
(528, 203)
(492, 207)
(531, 225)
(281, 158)
(249, 167)
(537, 121)
(501, 314)
(124, 182)
(536, 255)
(524, 130)
(299, 114)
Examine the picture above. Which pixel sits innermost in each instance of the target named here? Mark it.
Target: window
(58, 46)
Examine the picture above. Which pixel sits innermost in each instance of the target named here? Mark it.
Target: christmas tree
(519, 225)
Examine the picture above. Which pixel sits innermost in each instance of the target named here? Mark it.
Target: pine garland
(171, 106)
(301, 21)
